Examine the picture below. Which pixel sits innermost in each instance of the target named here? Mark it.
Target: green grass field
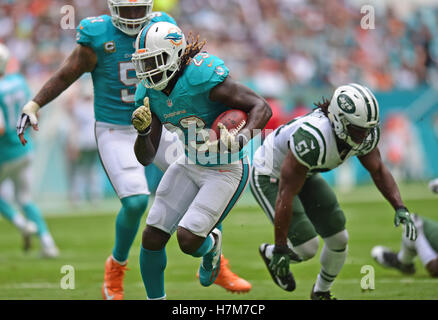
(86, 238)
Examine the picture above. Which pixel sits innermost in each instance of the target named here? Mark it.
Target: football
(234, 120)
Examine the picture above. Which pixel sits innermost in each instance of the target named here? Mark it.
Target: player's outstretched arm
(238, 96)
(387, 186)
(83, 59)
(292, 178)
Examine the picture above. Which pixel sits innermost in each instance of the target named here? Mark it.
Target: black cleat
(286, 283)
(320, 295)
(387, 258)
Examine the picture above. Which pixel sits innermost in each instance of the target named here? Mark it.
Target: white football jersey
(312, 141)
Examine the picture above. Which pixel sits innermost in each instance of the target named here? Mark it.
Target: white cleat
(50, 252)
(433, 185)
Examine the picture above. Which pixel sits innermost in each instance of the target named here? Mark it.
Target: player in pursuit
(15, 161)
(105, 46)
(300, 203)
(186, 90)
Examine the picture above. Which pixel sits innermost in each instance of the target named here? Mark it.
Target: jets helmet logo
(346, 104)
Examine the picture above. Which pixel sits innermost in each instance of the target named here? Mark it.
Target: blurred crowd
(273, 45)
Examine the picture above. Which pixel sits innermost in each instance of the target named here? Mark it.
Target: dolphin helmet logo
(174, 36)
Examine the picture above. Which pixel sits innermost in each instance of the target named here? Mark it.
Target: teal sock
(7, 211)
(34, 214)
(127, 223)
(152, 265)
(205, 247)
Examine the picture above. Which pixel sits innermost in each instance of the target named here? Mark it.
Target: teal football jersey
(189, 106)
(14, 93)
(114, 77)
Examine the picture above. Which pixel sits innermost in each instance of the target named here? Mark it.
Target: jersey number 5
(128, 94)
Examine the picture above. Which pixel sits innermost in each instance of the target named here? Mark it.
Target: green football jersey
(312, 141)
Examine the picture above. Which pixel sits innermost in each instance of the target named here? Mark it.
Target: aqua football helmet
(353, 112)
(130, 26)
(4, 58)
(158, 52)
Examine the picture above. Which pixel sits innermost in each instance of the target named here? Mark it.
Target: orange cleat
(229, 280)
(112, 288)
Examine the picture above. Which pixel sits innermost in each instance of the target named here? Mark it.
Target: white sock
(19, 221)
(47, 240)
(270, 249)
(122, 263)
(331, 264)
(407, 251)
(424, 250)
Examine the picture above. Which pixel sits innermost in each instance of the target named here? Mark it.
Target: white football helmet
(158, 52)
(129, 26)
(353, 112)
(4, 58)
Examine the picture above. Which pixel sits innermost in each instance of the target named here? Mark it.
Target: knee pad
(338, 241)
(308, 249)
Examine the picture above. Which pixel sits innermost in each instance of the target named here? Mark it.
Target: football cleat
(112, 288)
(49, 252)
(433, 185)
(229, 280)
(387, 258)
(28, 231)
(211, 262)
(286, 283)
(321, 295)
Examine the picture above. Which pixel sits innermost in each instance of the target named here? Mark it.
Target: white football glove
(227, 139)
(27, 118)
(142, 118)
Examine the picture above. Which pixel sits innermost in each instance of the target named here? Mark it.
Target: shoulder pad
(91, 28)
(159, 16)
(206, 70)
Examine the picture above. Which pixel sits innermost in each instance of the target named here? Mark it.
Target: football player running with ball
(105, 46)
(300, 203)
(186, 90)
